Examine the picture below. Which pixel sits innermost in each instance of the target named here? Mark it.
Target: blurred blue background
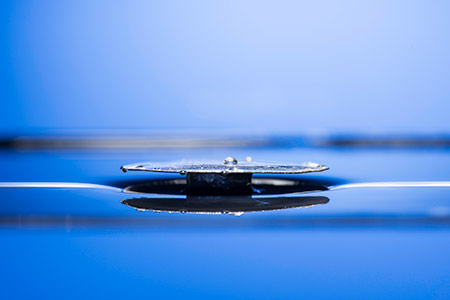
(262, 66)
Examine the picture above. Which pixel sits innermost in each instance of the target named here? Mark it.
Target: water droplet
(249, 159)
(230, 161)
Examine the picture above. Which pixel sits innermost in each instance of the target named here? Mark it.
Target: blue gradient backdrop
(265, 66)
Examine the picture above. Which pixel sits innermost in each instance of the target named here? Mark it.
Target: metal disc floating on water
(228, 177)
(229, 166)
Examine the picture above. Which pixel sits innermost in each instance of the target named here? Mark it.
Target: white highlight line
(106, 187)
(71, 185)
(392, 184)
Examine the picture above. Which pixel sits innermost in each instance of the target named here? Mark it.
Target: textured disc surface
(227, 168)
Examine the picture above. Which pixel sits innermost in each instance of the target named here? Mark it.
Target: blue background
(262, 66)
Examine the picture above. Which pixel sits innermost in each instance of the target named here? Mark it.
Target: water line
(399, 184)
(57, 185)
(392, 184)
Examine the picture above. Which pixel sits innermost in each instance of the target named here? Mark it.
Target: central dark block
(219, 184)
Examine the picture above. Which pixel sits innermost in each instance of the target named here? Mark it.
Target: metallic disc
(229, 166)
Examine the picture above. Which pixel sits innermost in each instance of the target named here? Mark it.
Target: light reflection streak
(57, 185)
(398, 184)
(76, 185)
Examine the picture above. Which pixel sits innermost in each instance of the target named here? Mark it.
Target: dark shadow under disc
(259, 186)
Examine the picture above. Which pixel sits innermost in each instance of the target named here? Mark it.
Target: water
(381, 230)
